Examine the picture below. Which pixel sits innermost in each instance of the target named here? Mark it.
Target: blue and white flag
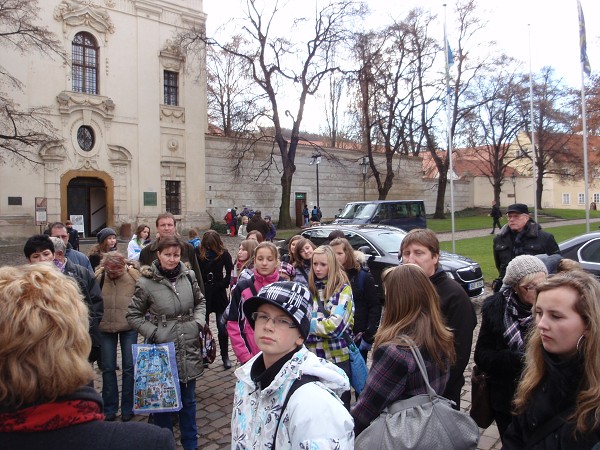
(582, 43)
(450, 55)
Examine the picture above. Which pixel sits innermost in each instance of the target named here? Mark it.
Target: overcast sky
(553, 25)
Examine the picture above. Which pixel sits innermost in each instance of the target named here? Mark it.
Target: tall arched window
(85, 63)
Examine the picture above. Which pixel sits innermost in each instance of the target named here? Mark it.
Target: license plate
(475, 285)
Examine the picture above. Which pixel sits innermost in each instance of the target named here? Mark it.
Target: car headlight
(450, 275)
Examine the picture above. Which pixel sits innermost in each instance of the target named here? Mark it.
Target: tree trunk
(440, 211)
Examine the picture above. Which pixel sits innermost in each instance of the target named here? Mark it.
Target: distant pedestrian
(495, 214)
(272, 231)
(74, 234)
(305, 215)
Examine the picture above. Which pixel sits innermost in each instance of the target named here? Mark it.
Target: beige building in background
(130, 108)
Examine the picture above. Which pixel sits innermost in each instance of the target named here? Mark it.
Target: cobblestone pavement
(214, 391)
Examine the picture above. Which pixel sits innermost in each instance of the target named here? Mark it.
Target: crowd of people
(292, 323)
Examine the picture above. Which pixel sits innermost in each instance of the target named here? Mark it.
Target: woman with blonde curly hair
(45, 400)
(411, 309)
(556, 403)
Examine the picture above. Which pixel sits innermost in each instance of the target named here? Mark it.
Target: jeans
(110, 389)
(187, 417)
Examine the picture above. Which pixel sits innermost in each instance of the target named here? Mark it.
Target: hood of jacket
(303, 362)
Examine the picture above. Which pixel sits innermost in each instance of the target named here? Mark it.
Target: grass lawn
(474, 219)
(480, 249)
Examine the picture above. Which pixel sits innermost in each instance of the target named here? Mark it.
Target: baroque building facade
(131, 112)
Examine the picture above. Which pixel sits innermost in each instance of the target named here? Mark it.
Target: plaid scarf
(517, 319)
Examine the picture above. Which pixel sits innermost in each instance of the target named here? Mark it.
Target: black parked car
(585, 249)
(382, 243)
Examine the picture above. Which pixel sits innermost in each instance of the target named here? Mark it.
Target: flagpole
(448, 119)
(586, 194)
(533, 151)
(585, 68)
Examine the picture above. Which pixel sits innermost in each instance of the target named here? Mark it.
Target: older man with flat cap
(520, 236)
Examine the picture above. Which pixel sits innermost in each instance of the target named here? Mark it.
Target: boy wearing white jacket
(264, 416)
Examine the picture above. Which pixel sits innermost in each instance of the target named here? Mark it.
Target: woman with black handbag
(506, 320)
(216, 265)
(412, 309)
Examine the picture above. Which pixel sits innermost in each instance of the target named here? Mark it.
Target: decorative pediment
(53, 152)
(171, 56)
(73, 13)
(119, 155)
(71, 101)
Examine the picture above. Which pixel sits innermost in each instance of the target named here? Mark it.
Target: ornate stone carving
(173, 145)
(71, 101)
(118, 155)
(53, 152)
(73, 13)
(173, 114)
(171, 57)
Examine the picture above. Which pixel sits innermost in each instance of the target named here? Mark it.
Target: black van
(405, 214)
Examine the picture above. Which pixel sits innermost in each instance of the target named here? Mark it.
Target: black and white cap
(293, 298)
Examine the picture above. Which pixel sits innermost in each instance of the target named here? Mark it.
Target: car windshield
(388, 241)
(358, 211)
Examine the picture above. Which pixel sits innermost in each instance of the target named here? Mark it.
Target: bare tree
(553, 119)
(23, 131)
(389, 61)
(285, 65)
(497, 120)
(462, 103)
(233, 104)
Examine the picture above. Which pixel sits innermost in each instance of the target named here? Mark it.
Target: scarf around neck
(517, 321)
(170, 275)
(61, 413)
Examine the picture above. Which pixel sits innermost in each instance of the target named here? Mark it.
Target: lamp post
(363, 169)
(513, 178)
(316, 160)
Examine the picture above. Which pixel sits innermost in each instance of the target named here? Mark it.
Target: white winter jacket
(315, 417)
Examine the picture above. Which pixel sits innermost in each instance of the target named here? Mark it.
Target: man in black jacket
(520, 236)
(41, 248)
(165, 226)
(257, 223)
(421, 247)
(495, 215)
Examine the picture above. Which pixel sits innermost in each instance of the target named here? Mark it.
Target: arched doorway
(90, 197)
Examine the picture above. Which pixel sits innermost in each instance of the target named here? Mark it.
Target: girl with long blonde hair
(412, 310)
(333, 311)
(560, 386)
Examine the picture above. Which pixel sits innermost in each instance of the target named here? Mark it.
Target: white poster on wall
(78, 224)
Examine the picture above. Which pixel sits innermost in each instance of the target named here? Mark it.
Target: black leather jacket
(533, 242)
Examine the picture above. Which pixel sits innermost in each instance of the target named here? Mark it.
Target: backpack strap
(297, 384)
(548, 427)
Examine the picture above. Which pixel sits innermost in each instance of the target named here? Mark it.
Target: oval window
(85, 138)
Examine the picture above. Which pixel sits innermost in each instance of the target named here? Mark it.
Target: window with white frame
(581, 199)
(566, 199)
(596, 198)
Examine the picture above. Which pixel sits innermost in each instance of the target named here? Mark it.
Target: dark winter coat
(367, 307)
(556, 393)
(216, 275)
(177, 315)
(534, 242)
(460, 316)
(92, 295)
(94, 435)
(493, 356)
(495, 213)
